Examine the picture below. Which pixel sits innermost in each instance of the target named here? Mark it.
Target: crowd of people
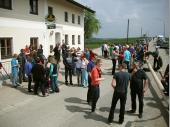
(32, 66)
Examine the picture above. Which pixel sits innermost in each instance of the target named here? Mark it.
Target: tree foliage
(91, 24)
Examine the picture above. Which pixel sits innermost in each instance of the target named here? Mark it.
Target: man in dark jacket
(38, 72)
(21, 61)
(137, 87)
(68, 62)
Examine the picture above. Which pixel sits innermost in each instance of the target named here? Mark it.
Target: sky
(148, 15)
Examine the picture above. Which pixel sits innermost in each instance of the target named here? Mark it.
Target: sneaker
(131, 111)
(140, 116)
(121, 121)
(110, 122)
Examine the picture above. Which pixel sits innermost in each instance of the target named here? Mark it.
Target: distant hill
(111, 40)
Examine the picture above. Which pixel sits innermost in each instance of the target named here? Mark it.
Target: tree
(91, 24)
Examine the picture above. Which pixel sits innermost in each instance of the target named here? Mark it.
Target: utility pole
(141, 31)
(164, 29)
(127, 31)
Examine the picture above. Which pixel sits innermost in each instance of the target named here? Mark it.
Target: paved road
(68, 108)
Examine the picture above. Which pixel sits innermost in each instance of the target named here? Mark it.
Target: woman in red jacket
(95, 82)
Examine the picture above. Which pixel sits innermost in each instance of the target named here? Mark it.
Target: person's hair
(98, 60)
(123, 66)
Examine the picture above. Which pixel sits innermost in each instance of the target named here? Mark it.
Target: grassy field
(97, 42)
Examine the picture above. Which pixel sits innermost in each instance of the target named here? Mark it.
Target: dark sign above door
(50, 21)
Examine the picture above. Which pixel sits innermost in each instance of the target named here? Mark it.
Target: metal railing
(5, 71)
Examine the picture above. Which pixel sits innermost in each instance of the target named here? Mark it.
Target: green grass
(97, 42)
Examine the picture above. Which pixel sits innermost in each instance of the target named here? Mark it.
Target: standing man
(21, 61)
(155, 55)
(138, 86)
(127, 57)
(120, 84)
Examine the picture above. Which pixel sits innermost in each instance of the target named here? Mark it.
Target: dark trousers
(89, 90)
(116, 97)
(21, 74)
(29, 82)
(39, 83)
(95, 93)
(128, 65)
(133, 99)
(155, 64)
(105, 53)
(114, 66)
(68, 72)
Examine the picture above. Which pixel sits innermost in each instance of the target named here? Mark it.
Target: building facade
(35, 22)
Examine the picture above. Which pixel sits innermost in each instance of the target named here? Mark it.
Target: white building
(46, 22)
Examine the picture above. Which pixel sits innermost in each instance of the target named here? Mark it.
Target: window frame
(49, 7)
(6, 48)
(79, 39)
(66, 40)
(7, 7)
(79, 19)
(73, 18)
(31, 7)
(66, 16)
(34, 42)
(73, 39)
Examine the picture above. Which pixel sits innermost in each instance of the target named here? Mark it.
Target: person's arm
(145, 87)
(113, 83)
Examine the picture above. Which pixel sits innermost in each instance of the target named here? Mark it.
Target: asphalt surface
(69, 108)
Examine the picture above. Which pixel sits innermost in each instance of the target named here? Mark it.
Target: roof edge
(80, 5)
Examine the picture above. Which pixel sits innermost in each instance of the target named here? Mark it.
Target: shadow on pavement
(20, 88)
(88, 114)
(75, 100)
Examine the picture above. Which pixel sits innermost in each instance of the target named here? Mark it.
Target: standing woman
(95, 80)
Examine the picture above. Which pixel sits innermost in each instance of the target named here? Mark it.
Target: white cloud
(113, 15)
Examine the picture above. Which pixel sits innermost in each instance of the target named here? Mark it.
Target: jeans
(54, 83)
(84, 77)
(14, 79)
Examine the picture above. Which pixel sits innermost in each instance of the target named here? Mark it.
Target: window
(66, 39)
(50, 10)
(79, 39)
(6, 4)
(66, 16)
(73, 18)
(73, 39)
(34, 43)
(6, 48)
(79, 19)
(34, 7)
